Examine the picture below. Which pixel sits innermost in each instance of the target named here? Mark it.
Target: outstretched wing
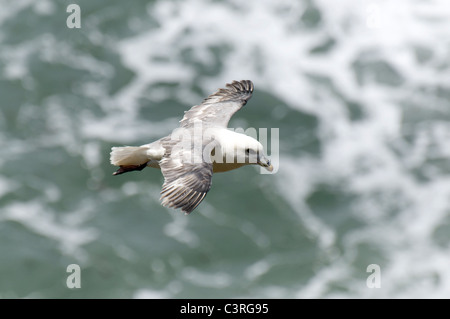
(186, 180)
(218, 108)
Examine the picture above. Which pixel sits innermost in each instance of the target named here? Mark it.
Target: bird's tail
(129, 156)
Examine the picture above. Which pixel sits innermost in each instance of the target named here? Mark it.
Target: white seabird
(207, 147)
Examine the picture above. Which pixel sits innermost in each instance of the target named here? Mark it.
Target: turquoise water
(358, 90)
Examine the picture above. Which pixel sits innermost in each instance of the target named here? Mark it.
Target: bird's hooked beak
(264, 162)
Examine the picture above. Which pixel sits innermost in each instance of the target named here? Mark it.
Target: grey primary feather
(219, 107)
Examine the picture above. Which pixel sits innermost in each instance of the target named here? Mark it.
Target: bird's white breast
(230, 142)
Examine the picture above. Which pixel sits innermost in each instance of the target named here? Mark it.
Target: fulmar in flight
(200, 146)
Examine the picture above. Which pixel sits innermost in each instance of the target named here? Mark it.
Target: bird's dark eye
(247, 151)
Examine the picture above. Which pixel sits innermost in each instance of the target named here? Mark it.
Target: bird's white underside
(230, 144)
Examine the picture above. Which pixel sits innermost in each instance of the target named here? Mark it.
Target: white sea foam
(40, 221)
(216, 280)
(150, 294)
(7, 186)
(178, 230)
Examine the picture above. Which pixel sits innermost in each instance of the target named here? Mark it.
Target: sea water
(360, 94)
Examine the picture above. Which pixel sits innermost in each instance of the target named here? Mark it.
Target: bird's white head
(245, 150)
